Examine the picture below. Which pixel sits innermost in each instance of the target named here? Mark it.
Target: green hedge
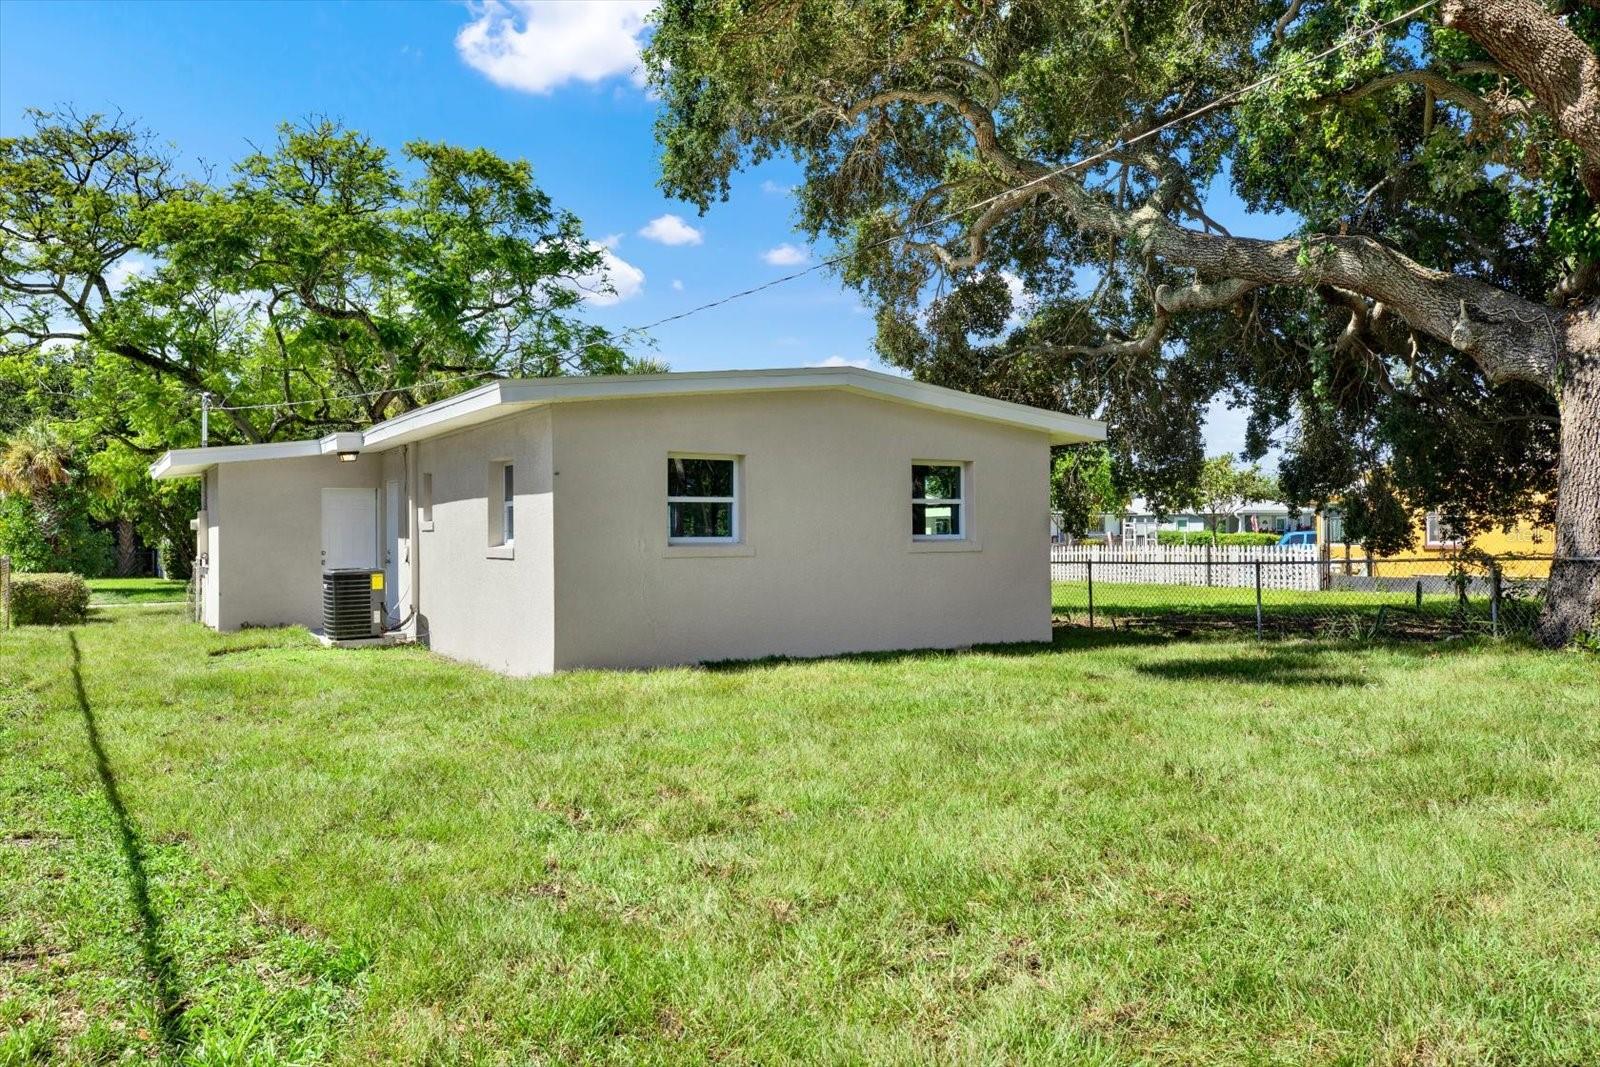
(1200, 537)
(48, 599)
(52, 540)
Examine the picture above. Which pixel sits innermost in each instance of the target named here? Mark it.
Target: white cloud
(840, 361)
(773, 188)
(627, 281)
(539, 46)
(786, 255)
(1021, 300)
(126, 269)
(677, 285)
(671, 230)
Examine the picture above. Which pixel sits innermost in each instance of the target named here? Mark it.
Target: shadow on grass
(1279, 666)
(168, 1001)
(1063, 638)
(1291, 663)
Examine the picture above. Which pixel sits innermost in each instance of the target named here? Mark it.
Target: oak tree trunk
(1572, 599)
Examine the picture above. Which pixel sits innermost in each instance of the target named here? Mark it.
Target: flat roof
(497, 398)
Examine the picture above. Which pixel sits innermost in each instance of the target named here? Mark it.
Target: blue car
(1298, 537)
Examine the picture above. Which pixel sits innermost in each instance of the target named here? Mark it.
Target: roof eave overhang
(193, 462)
(499, 398)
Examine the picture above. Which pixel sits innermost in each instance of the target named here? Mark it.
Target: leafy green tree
(323, 285)
(1082, 486)
(1376, 517)
(1224, 484)
(44, 506)
(1437, 309)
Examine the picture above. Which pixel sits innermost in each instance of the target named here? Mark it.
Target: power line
(1347, 38)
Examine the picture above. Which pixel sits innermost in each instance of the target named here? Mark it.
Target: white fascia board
(463, 409)
(497, 398)
(343, 441)
(192, 462)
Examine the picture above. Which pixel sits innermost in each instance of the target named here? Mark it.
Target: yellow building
(1524, 550)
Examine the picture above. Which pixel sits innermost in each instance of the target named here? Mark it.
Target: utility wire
(1347, 38)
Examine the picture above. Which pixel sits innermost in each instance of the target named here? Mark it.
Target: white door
(391, 546)
(349, 528)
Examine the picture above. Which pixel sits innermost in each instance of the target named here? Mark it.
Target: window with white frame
(938, 501)
(1439, 533)
(502, 505)
(702, 499)
(1335, 527)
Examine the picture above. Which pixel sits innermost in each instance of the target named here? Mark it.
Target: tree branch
(977, 234)
(1201, 296)
(1481, 108)
(1539, 50)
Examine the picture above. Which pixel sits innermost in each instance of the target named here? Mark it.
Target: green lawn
(1109, 850)
(109, 591)
(1334, 611)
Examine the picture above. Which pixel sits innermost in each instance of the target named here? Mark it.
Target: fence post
(1419, 594)
(1258, 600)
(1089, 567)
(1494, 598)
(5, 592)
(1208, 562)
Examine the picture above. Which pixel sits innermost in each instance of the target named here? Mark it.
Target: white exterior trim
(736, 536)
(192, 462)
(963, 513)
(501, 397)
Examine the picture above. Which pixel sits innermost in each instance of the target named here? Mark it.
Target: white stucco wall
(209, 544)
(827, 562)
(266, 535)
(476, 604)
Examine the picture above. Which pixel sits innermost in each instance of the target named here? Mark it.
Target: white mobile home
(541, 524)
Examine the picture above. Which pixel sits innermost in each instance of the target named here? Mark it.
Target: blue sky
(554, 84)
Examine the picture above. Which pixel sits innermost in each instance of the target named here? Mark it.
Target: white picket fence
(1223, 565)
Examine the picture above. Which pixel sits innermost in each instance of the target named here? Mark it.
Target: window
(501, 494)
(1335, 527)
(1438, 533)
(427, 501)
(508, 507)
(702, 499)
(936, 501)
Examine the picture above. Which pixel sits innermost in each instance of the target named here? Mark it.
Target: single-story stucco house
(1139, 523)
(534, 525)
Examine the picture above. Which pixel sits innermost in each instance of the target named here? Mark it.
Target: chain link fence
(1264, 593)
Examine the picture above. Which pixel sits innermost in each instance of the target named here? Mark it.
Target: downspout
(408, 622)
(414, 541)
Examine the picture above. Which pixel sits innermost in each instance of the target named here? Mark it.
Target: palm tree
(34, 464)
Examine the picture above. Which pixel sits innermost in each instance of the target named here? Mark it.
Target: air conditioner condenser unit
(352, 604)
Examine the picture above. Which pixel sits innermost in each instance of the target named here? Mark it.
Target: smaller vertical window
(937, 501)
(1335, 527)
(427, 501)
(1438, 532)
(508, 513)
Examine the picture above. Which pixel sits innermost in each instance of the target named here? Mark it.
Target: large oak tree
(1432, 321)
